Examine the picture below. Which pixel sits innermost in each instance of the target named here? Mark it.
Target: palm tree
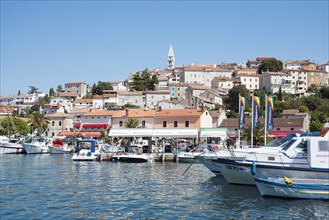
(258, 134)
(132, 123)
(38, 121)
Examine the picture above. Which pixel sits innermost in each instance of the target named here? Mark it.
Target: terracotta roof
(199, 86)
(133, 113)
(81, 110)
(84, 100)
(179, 113)
(97, 112)
(278, 122)
(289, 112)
(219, 78)
(104, 96)
(58, 115)
(65, 94)
(158, 92)
(130, 93)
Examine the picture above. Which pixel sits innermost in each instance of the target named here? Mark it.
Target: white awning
(131, 132)
(182, 133)
(212, 133)
(156, 132)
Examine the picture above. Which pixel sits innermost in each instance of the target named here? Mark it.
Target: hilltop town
(191, 96)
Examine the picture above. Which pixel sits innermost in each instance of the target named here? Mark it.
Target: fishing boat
(294, 188)
(8, 146)
(36, 145)
(86, 150)
(302, 157)
(59, 146)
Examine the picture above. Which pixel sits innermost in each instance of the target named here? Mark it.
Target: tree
(258, 134)
(100, 87)
(302, 108)
(324, 92)
(232, 101)
(59, 88)
(271, 65)
(143, 81)
(132, 123)
(316, 126)
(16, 126)
(280, 94)
(38, 121)
(19, 92)
(51, 92)
(33, 89)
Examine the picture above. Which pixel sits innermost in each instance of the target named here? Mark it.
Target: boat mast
(8, 122)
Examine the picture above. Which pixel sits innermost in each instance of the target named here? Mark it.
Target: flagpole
(239, 131)
(265, 124)
(252, 120)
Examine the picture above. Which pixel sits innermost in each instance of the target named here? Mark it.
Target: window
(291, 129)
(175, 124)
(187, 124)
(60, 123)
(164, 124)
(120, 123)
(143, 124)
(53, 123)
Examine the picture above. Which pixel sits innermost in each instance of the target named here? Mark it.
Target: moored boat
(7, 147)
(59, 146)
(86, 150)
(301, 157)
(294, 188)
(36, 145)
(133, 158)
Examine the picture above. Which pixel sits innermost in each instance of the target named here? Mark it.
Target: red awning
(95, 125)
(81, 134)
(283, 133)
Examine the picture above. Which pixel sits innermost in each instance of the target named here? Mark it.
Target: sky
(48, 43)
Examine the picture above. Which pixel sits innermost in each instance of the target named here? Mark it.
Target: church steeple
(171, 59)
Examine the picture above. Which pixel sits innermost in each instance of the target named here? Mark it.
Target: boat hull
(213, 167)
(59, 150)
(279, 188)
(132, 158)
(35, 149)
(241, 172)
(11, 149)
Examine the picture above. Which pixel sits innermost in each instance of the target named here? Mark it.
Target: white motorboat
(133, 158)
(86, 150)
(36, 145)
(59, 146)
(294, 188)
(302, 157)
(8, 147)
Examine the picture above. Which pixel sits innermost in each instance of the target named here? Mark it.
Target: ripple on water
(55, 187)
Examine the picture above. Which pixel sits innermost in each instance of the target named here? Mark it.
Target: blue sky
(47, 43)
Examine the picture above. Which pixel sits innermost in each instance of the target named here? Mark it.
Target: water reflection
(53, 186)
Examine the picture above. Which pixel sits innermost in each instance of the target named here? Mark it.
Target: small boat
(86, 150)
(7, 146)
(188, 157)
(36, 145)
(133, 158)
(294, 188)
(59, 146)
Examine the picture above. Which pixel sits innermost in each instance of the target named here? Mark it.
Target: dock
(158, 157)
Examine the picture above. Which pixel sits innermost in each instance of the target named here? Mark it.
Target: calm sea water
(55, 187)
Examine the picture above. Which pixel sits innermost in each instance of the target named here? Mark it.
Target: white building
(252, 82)
(78, 88)
(83, 103)
(153, 97)
(272, 81)
(59, 123)
(118, 86)
(105, 101)
(203, 74)
(133, 98)
(67, 104)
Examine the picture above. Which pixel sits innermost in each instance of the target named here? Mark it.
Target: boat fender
(253, 169)
(287, 180)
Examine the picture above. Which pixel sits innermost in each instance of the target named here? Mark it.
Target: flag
(256, 108)
(242, 106)
(270, 110)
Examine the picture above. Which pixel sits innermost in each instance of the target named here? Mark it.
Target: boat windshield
(276, 143)
(289, 144)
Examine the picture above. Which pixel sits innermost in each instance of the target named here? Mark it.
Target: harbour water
(55, 187)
